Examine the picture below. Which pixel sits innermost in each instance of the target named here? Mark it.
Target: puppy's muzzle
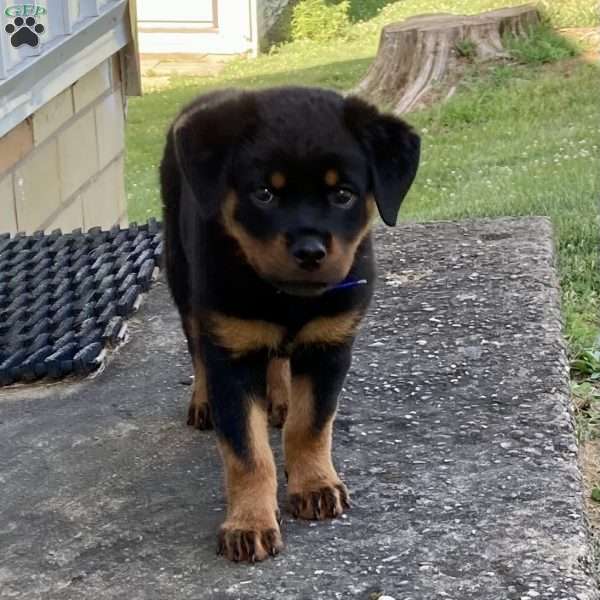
(308, 251)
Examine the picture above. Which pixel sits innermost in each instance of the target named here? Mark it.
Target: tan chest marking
(330, 330)
(241, 336)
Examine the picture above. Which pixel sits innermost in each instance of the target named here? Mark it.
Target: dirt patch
(589, 38)
(158, 71)
(589, 462)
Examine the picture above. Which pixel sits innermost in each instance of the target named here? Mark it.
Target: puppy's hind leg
(199, 410)
(177, 270)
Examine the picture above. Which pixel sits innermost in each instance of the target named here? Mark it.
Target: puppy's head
(296, 176)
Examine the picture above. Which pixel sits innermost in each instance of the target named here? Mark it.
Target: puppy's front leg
(314, 488)
(236, 389)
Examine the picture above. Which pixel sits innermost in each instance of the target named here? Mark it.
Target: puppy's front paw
(318, 502)
(248, 542)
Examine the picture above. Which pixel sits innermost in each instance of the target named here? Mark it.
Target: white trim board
(43, 77)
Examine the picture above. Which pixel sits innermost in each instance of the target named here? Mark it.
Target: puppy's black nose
(308, 251)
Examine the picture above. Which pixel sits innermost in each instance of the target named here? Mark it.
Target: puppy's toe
(199, 416)
(248, 545)
(326, 502)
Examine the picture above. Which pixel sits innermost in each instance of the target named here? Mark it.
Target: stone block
(465, 482)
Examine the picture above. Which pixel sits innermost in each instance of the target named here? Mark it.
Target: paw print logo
(24, 31)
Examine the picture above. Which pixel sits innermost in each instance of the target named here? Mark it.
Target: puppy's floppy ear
(393, 149)
(204, 138)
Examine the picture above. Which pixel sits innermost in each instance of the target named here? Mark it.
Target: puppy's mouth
(302, 288)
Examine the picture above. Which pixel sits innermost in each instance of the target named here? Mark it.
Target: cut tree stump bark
(422, 51)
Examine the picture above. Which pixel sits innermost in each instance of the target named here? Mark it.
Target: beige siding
(15, 145)
(78, 153)
(110, 128)
(92, 85)
(73, 175)
(37, 187)
(8, 215)
(102, 199)
(68, 218)
(52, 115)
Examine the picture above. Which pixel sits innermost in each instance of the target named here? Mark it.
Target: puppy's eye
(343, 198)
(263, 197)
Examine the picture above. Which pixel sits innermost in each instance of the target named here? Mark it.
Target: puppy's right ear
(204, 139)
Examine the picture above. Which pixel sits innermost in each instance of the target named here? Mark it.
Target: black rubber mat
(64, 298)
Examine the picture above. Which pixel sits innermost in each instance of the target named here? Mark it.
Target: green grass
(309, 16)
(561, 13)
(514, 140)
(542, 45)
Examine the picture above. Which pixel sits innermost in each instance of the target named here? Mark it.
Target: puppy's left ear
(393, 149)
(203, 139)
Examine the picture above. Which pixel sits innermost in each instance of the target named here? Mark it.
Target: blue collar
(343, 285)
(348, 283)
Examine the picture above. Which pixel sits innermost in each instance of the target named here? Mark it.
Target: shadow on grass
(161, 105)
(337, 75)
(362, 10)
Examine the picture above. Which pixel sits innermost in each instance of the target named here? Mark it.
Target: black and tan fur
(269, 198)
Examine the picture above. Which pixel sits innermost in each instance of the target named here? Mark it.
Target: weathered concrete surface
(454, 435)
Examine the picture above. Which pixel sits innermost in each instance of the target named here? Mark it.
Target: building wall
(234, 31)
(63, 166)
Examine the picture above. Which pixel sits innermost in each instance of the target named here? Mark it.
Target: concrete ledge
(454, 435)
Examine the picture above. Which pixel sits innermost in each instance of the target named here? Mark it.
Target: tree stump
(417, 53)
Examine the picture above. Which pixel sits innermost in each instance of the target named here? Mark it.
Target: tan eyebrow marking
(331, 177)
(278, 180)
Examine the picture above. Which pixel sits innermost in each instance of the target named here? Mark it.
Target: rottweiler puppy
(269, 197)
